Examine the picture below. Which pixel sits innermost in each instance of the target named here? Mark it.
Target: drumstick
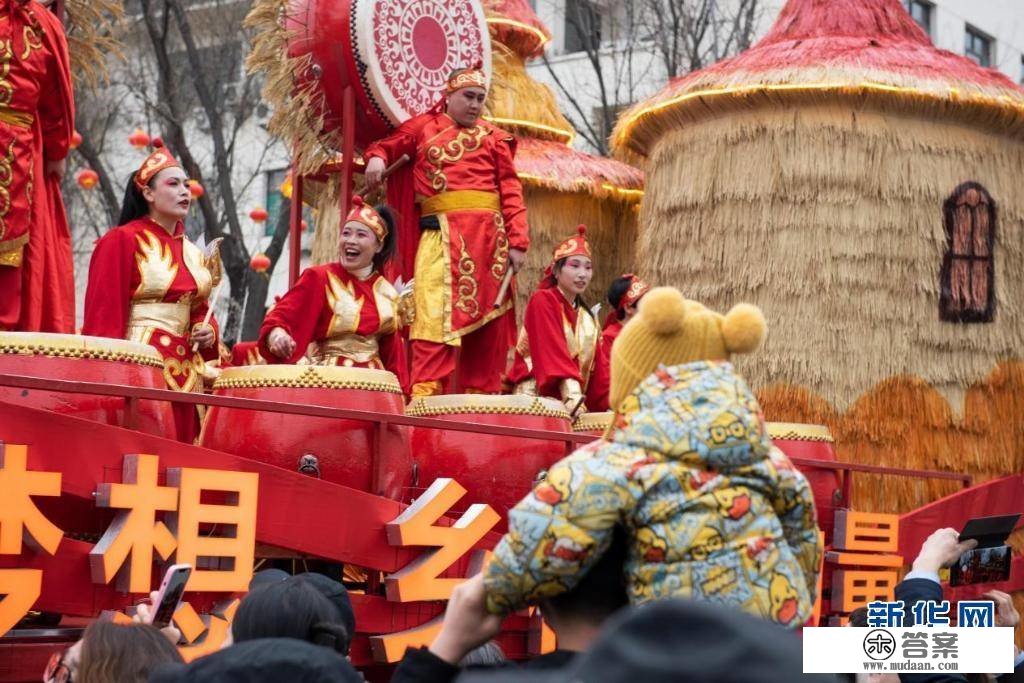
(505, 282)
(211, 302)
(576, 408)
(399, 162)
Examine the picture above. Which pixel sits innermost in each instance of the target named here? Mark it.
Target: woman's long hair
(616, 291)
(123, 652)
(290, 609)
(390, 245)
(134, 205)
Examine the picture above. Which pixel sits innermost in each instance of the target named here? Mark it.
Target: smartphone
(169, 596)
(990, 561)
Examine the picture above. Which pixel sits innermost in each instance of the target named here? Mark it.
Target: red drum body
(86, 359)
(340, 451)
(812, 442)
(497, 470)
(594, 424)
(395, 54)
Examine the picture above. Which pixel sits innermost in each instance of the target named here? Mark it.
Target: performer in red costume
(37, 115)
(348, 310)
(149, 283)
(555, 350)
(624, 294)
(470, 227)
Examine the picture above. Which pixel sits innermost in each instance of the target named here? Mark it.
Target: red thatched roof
(556, 166)
(842, 45)
(514, 23)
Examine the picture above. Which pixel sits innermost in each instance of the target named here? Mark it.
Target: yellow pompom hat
(669, 329)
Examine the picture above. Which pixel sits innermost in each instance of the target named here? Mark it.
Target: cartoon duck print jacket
(712, 509)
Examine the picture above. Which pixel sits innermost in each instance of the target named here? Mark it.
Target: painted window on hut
(968, 278)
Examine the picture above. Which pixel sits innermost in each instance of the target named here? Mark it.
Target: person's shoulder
(384, 286)
(122, 233)
(499, 134)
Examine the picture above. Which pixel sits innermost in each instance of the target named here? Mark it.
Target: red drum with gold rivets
(812, 442)
(340, 451)
(86, 359)
(497, 470)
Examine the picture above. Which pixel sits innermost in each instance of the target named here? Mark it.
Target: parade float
(879, 230)
(308, 466)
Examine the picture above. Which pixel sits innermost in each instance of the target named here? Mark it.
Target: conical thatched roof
(515, 24)
(859, 49)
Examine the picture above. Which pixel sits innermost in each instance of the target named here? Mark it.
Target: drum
(395, 54)
(340, 451)
(595, 424)
(498, 470)
(86, 359)
(812, 442)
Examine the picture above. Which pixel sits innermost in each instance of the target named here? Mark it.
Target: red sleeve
(600, 377)
(56, 102)
(513, 208)
(108, 293)
(548, 351)
(298, 313)
(402, 141)
(392, 354)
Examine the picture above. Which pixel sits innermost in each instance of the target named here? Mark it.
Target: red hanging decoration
(196, 189)
(259, 262)
(259, 214)
(76, 140)
(87, 178)
(138, 139)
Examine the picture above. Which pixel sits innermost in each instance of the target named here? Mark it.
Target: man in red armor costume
(37, 288)
(469, 227)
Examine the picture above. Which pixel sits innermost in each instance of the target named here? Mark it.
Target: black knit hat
(266, 659)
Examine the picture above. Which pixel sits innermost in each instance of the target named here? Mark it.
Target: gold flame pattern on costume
(499, 259)
(156, 267)
(468, 140)
(466, 286)
(32, 41)
(341, 297)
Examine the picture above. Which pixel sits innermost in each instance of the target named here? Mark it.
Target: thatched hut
(563, 187)
(863, 187)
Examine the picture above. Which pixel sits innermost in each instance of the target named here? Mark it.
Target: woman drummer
(623, 295)
(347, 310)
(149, 283)
(555, 350)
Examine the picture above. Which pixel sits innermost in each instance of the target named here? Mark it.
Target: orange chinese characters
(865, 546)
(137, 532)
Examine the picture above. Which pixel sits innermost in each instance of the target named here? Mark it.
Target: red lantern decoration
(138, 139)
(195, 189)
(157, 142)
(76, 140)
(87, 178)
(305, 226)
(259, 214)
(259, 262)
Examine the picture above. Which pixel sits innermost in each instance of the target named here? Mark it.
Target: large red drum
(87, 359)
(594, 424)
(396, 55)
(497, 470)
(340, 451)
(812, 442)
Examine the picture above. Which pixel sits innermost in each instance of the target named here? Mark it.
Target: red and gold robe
(37, 288)
(246, 353)
(464, 177)
(555, 347)
(601, 376)
(350, 322)
(149, 286)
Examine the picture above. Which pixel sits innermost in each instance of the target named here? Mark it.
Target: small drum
(594, 424)
(812, 442)
(340, 451)
(395, 54)
(87, 359)
(498, 470)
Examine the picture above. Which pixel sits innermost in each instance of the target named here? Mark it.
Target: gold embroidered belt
(459, 200)
(357, 348)
(11, 250)
(16, 117)
(172, 317)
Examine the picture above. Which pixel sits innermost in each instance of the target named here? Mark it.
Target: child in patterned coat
(712, 509)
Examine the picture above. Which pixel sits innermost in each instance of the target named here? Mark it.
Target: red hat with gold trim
(366, 215)
(637, 288)
(576, 245)
(472, 77)
(160, 159)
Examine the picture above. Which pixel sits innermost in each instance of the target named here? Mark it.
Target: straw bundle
(92, 29)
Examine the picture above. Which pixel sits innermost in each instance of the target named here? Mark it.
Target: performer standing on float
(149, 283)
(37, 117)
(348, 309)
(623, 295)
(470, 227)
(556, 347)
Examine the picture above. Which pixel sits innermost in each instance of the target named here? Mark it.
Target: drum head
(405, 50)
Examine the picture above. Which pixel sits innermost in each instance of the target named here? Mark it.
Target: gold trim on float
(794, 431)
(589, 422)
(79, 346)
(463, 404)
(307, 377)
